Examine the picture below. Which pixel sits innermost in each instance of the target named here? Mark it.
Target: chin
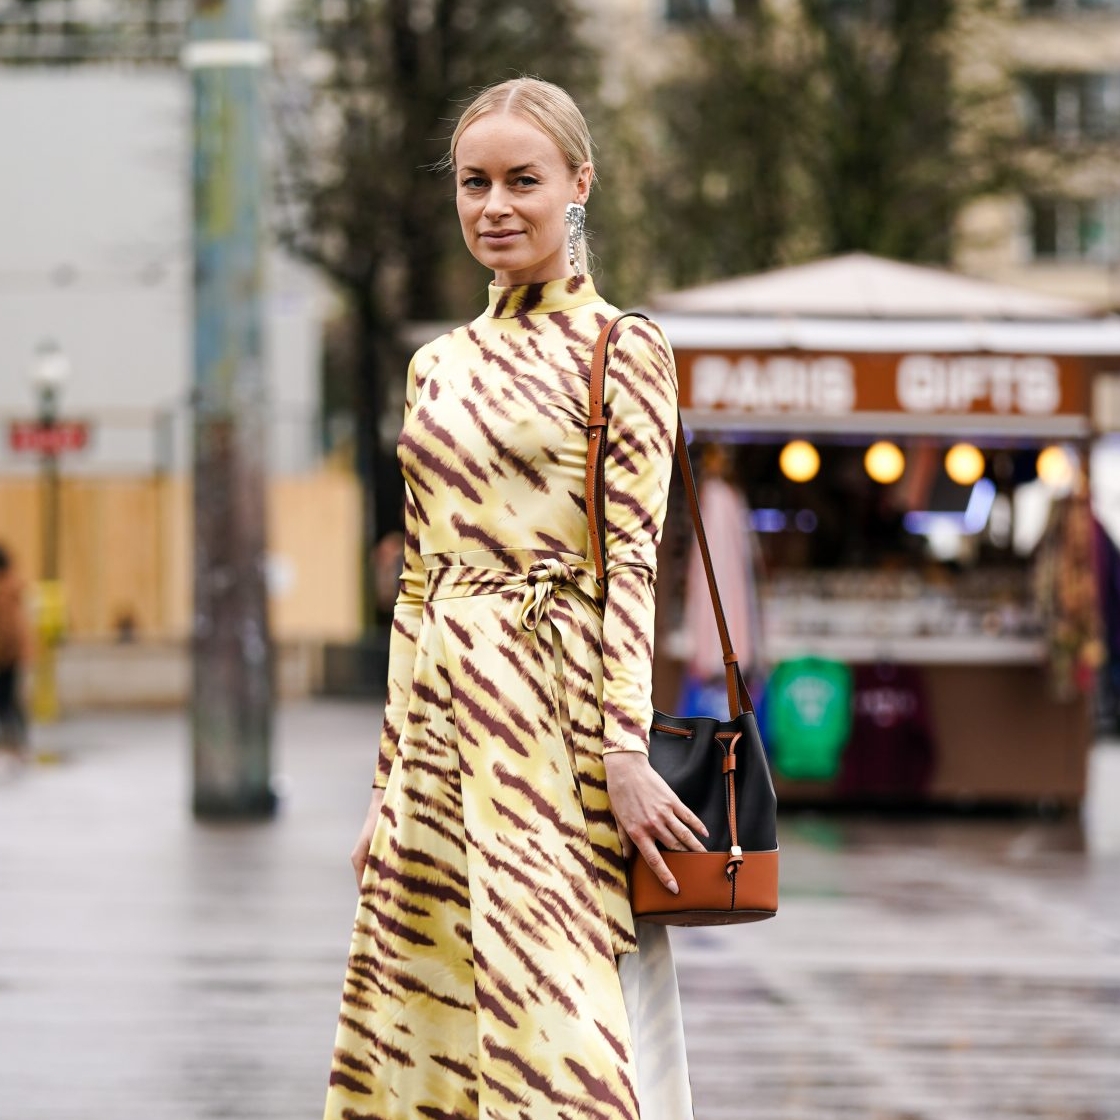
(502, 262)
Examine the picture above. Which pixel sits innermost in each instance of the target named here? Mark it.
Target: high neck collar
(541, 299)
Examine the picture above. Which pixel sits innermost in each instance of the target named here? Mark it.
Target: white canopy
(1084, 337)
(865, 287)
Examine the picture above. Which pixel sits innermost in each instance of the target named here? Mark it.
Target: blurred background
(883, 237)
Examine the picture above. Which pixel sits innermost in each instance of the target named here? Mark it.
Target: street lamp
(51, 367)
(50, 370)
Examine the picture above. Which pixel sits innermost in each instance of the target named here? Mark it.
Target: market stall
(912, 447)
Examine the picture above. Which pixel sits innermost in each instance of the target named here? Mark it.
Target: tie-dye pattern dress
(495, 969)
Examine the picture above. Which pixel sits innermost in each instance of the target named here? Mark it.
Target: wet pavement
(155, 969)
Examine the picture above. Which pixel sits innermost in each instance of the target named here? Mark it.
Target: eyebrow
(512, 171)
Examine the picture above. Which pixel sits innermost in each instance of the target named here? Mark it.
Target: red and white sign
(48, 439)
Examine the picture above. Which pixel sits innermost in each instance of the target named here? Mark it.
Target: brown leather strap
(735, 855)
(738, 698)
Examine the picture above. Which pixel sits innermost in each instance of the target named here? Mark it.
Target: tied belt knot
(542, 579)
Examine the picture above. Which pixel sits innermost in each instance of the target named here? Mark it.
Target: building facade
(1048, 75)
(1061, 231)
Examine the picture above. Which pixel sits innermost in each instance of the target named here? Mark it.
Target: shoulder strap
(738, 698)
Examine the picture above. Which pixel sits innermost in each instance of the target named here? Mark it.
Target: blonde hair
(546, 106)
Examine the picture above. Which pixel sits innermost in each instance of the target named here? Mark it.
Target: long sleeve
(640, 401)
(406, 625)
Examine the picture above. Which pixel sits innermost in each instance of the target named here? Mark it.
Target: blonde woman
(496, 970)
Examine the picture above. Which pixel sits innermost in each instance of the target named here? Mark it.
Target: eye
(526, 180)
(473, 182)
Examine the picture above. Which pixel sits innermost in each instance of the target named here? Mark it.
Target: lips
(501, 234)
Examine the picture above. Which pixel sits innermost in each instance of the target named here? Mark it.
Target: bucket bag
(716, 766)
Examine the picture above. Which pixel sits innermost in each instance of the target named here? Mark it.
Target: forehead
(503, 140)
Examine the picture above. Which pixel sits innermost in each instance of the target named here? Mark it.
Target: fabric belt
(454, 575)
(498, 572)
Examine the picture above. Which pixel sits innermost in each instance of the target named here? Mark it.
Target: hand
(647, 811)
(361, 849)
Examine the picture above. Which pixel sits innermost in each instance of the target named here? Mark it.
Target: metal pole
(231, 711)
(47, 419)
(44, 699)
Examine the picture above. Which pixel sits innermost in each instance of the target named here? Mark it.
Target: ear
(583, 183)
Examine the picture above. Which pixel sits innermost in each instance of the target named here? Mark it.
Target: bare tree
(728, 193)
(823, 126)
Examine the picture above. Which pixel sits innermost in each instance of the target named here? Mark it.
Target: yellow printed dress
(495, 969)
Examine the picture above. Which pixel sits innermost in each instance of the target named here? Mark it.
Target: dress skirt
(495, 970)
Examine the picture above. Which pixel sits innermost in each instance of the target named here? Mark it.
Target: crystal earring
(575, 216)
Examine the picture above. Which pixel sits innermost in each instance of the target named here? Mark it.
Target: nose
(497, 204)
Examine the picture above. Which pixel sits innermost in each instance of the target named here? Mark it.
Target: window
(1040, 104)
(1072, 106)
(1100, 104)
(1069, 229)
(681, 11)
(1063, 6)
(685, 11)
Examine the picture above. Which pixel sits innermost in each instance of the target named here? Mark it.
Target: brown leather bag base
(751, 896)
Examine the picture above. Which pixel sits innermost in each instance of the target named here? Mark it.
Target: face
(512, 186)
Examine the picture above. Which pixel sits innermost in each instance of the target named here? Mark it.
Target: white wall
(95, 253)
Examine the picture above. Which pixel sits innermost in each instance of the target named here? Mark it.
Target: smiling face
(512, 186)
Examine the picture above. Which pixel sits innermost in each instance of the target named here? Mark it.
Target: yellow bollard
(48, 604)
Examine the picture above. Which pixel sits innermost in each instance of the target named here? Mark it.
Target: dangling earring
(575, 216)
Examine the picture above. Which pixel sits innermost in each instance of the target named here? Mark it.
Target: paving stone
(152, 968)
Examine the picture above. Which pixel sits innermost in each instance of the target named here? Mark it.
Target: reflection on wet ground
(930, 968)
(154, 969)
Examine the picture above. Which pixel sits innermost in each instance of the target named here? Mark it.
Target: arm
(402, 656)
(640, 402)
(641, 406)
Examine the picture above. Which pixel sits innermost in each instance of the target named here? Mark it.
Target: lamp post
(49, 372)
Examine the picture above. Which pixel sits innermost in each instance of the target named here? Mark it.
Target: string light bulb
(964, 463)
(1056, 468)
(799, 461)
(884, 462)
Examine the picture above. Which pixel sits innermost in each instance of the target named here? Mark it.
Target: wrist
(624, 758)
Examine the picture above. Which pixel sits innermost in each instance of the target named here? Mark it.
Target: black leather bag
(716, 767)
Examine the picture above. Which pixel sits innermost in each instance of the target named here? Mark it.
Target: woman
(496, 970)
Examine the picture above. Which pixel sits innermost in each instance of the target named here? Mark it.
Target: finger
(684, 839)
(658, 866)
(685, 814)
(671, 835)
